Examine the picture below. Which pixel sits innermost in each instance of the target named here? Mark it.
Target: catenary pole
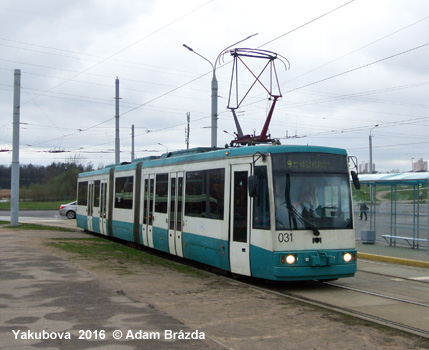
(117, 145)
(188, 118)
(14, 206)
(371, 169)
(132, 143)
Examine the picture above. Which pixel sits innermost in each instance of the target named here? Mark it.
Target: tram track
(375, 294)
(405, 278)
(277, 289)
(348, 311)
(283, 290)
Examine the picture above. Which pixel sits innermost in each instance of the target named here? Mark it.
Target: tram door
(175, 214)
(240, 219)
(90, 207)
(103, 207)
(148, 197)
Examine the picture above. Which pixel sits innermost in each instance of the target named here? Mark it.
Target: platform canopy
(415, 179)
(400, 178)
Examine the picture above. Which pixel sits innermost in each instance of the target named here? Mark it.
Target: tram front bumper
(316, 265)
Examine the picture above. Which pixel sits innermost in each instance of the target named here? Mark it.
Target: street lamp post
(370, 150)
(166, 148)
(371, 190)
(214, 88)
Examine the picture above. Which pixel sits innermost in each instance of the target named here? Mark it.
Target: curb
(392, 260)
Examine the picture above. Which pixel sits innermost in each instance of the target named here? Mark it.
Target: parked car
(69, 210)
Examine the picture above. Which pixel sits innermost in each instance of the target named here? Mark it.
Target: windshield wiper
(306, 222)
(289, 203)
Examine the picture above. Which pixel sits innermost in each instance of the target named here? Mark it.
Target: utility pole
(117, 145)
(371, 170)
(188, 117)
(132, 143)
(370, 154)
(14, 206)
(214, 89)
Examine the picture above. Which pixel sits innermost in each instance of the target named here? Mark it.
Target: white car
(69, 210)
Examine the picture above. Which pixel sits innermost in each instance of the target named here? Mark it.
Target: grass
(407, 194)
(402, 193)
(104, 252)
(34, 227)
(111, 255)
(34, 205)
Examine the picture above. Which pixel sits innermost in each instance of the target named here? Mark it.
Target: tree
(57, 181)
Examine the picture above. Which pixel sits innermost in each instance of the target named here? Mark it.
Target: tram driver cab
(309, 202)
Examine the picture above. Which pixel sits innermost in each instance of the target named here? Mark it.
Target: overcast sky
(353, 65)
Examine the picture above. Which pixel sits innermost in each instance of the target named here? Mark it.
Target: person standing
(363, 209)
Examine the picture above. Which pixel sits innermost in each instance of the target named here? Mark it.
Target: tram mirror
(355, 179)
(253, 186)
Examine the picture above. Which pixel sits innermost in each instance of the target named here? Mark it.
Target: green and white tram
(274, 212)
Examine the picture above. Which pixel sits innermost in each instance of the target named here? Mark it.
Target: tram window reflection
(205, 192)
(161, 194)
(124, 192)
(82, 197)
(261, 203)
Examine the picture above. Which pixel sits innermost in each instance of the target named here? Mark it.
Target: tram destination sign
(310, 162)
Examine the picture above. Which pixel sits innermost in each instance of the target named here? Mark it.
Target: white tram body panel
(200, 204)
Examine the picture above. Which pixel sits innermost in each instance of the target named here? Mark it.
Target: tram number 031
(285, 237)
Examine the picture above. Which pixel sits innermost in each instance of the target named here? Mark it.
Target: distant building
(364, 168)
(420, 165)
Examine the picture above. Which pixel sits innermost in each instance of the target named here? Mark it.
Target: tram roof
(204, 154)
(400, 178)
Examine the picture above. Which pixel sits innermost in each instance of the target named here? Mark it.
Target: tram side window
(205, 193)
(261, 203)
(161, 195)
(124, 192)
(82, 196)
(97, 194)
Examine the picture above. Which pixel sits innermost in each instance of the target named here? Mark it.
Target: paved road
(42, 217)
(47, 302)
(404, 227)
(34, 214)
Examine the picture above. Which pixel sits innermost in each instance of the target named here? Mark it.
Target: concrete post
(14, 205)
(117, 144)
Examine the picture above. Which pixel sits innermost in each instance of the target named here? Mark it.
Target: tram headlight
(290, 259)
(347, 257)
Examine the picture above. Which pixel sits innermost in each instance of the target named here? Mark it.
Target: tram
(275, 212)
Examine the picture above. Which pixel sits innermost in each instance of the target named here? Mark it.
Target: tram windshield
(310, 199)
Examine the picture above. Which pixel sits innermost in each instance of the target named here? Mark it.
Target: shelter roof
(400, 178)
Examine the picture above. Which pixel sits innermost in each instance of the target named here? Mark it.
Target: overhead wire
(357, 68)
(307, 23)
(299, 27)
(344, 96)
(107, 58)
(181, 86)
(124, 49)
(164, 94)
(358, 49)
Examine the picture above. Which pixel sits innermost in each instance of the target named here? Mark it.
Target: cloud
(70, 54)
